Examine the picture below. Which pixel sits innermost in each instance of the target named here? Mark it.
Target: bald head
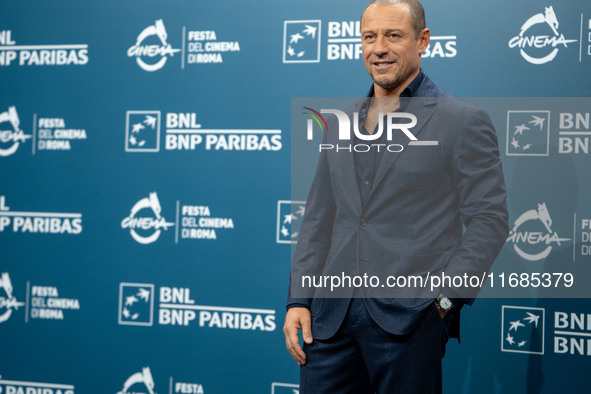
(417, 12)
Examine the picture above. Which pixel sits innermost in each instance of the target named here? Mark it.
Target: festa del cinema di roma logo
(9, 302)
(143, 383)
(11, 136)
(530, 243)
(147, 48)
(139, 380)
(145, 228)
(542, 48)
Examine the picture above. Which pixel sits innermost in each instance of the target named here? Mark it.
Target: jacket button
(363, 222)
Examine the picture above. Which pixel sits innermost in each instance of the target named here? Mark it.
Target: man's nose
(380, 48)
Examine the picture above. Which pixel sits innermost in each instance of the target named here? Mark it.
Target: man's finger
(306, 330)
(296, 319)
(293, 344)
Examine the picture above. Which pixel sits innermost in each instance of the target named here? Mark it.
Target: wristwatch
(443, 303)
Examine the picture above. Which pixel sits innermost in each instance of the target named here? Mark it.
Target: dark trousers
(362, 358)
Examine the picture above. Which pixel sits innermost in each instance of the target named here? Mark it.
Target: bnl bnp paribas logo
(539, 40)
(302, 42)
(289, 220)
(528, 133)
(532, 235)
(11, 134)
(27, 387)
(522, 330)
(142, 131)
(184, 132)
(176, 307)
(22, 222)
(285, 388)
(151, 49)
(52, 55)
(136, 304)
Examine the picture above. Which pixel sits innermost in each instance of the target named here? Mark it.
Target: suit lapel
(422, 108)
(346, 164)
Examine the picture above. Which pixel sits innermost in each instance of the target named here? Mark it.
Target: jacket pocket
(316, 307)
(419, 167)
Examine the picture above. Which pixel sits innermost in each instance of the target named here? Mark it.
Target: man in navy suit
(430, 202)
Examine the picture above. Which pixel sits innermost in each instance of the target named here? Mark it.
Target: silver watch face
(445, 303)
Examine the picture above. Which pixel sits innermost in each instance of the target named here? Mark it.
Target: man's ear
(424, 39)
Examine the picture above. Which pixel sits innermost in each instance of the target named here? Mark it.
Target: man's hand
(296, 319)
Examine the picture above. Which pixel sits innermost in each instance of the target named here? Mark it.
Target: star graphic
(144, 294)
(290, 51)
(537, 121)
(515, 143)
(137, 128)
(519, 129)
(289, 218)
(295, 38)
(284, 231)
(310, 30)
(515, 325)
(125, 313)
(532, 319)
(526, 147)
(520, 344)
(150, 121)
(510, 339)
(130, 300)
(300, 54)
(301, 210)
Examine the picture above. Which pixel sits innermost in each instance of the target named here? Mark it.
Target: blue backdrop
(145, 156)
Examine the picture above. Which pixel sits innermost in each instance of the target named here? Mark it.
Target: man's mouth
(383, 64)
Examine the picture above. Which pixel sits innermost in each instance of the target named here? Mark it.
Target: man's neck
(385, 101)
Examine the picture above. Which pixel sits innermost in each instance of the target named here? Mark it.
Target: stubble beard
(394, 82)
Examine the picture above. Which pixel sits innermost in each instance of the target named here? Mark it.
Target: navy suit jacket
(432, 208)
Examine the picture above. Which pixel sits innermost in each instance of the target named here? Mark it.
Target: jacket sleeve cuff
(297, 305)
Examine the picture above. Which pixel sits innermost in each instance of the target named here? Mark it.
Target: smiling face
(391, 48)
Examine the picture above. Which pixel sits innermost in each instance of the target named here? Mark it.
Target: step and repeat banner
(146, 208)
